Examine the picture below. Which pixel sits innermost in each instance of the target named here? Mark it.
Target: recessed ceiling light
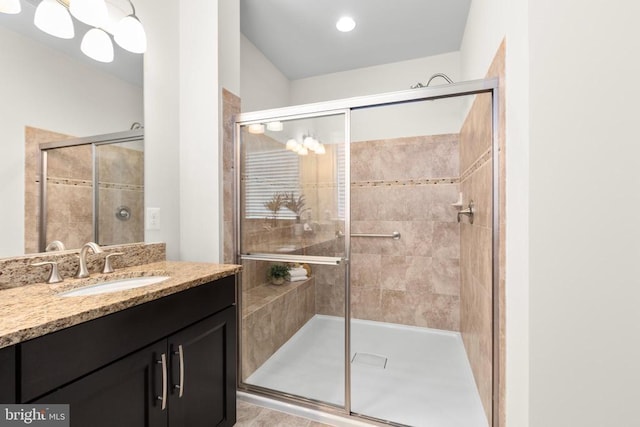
(345, 24)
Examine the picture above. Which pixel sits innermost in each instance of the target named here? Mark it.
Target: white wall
(262, 85)
(199, 133)
(442, 116)
(182, 154)
(44, 89)
(485, 29)
(373, 80)
(229, 45)
(162, 119)
(585, 238)
(517, 216)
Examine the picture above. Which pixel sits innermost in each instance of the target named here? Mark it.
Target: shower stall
(385, 210)
(92, 189)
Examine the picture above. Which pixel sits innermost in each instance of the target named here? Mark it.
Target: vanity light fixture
(309, 144)
(91, 12)
(10, 7)
(345, 24)
(129, 33)
(96, 44)
(106, 17)
(54, 19)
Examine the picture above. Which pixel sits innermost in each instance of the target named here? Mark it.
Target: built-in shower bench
(270, 316)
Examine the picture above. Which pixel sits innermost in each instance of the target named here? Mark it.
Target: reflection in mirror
(292, 184)
(60, 95)
(92, 190)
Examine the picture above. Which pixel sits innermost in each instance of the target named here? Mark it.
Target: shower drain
(369, 359)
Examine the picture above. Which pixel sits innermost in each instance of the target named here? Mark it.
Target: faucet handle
(107, 262)
(54, 276)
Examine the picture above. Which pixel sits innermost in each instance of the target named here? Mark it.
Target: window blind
(341, 180)
(265, 174)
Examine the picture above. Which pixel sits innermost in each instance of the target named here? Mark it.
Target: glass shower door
(421, 299)
(291, 223)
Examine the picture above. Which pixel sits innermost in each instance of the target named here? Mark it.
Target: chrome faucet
(82, 267)
(56, 245)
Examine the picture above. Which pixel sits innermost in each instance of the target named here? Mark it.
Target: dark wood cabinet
(115, 370)
(121, 394)
(203, 385)
(8, 375)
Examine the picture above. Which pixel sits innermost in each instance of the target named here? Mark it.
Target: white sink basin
(114, 286)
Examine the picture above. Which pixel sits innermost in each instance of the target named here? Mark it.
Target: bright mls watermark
(34, 415)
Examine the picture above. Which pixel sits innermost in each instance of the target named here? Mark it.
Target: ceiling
(300, 38)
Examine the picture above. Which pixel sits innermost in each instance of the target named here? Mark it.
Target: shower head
(444, 76)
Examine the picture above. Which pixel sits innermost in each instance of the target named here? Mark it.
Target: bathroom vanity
(162, 356)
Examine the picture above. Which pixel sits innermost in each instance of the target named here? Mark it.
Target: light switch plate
(152, 220)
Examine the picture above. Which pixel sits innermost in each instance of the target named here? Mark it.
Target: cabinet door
(122, 394)
(8, 375)
(208, 373)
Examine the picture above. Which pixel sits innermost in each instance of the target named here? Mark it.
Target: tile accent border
(409, 182)
(477, 164)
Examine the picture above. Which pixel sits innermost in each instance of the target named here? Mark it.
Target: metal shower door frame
(345, 106)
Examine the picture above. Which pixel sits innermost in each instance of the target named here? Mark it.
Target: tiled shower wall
(33, 138)
(121, 184)
(476, 257)
(406, 185)
(70, 193)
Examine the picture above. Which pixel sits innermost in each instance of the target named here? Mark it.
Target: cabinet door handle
(163, 398)
(180, 354)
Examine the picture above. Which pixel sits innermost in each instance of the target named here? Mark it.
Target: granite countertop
(34, 310)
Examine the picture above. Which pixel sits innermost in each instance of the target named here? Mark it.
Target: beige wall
(121, 174)
(33, 138)
(476, 291)
(406, 185)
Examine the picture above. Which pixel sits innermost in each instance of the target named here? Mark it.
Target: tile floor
(256, 416)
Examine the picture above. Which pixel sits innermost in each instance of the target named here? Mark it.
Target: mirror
(51, 88)
(92, 190)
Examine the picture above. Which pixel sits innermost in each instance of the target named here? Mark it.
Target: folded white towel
(304, 276)
(297, 271)
(297, 278)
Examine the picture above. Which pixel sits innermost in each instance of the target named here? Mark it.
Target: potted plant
(277, 273)
(295, 205)
(274, 205)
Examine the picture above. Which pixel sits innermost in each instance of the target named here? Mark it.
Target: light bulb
(91, 12)
(96, 44)
(303, 151)
(256, 128)
(54, 19)
(320, 149)
(130, 35)
(275, 126)
(345, 24)
(292, 145)
(11, 7)
(311, 143)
